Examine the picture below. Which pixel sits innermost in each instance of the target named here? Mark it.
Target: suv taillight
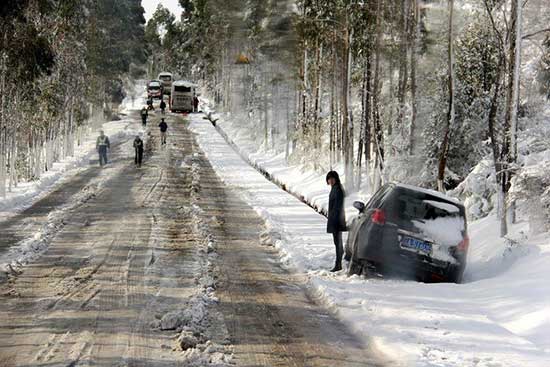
(378, 217)
(463, 246)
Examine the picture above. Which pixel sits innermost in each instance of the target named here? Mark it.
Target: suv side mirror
(359, 206)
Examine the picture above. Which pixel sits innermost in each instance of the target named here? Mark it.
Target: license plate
(417, 245)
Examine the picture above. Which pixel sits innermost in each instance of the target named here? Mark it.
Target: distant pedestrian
(195, 104)
(336, 216)
(138, 147)
(163, 128)
(162, 106)
(150, 104)
(102, 146)
(144, 114)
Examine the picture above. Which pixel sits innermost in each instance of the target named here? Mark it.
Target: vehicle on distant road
(154, 89)
(182, 96)
(409, 231)
(166, 79)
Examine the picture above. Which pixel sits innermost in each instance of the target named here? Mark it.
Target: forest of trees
(61, 62)
(417, 91)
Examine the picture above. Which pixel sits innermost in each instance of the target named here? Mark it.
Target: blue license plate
(414, 244)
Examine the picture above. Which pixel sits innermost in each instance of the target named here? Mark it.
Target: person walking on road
(144, 114)
(102, 145)
(163, 128)
(162, 106)
(138, 147)
(336, 216)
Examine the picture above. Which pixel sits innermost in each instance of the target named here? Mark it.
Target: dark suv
(409, 231)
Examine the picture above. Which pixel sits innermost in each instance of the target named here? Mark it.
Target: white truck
(166, 79)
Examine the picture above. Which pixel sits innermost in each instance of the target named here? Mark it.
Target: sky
(151, 5)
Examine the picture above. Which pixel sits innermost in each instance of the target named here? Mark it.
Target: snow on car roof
(165, 73)
(450, 208)
(154, 83)
(429, 192)
(184, 83)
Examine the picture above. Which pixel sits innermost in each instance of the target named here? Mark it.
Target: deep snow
(499, 317)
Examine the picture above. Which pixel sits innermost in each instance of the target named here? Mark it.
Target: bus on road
(182, 95)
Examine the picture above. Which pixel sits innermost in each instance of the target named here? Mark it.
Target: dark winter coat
(138, 145)
(163, 126)
(336, 215)
(163, 105)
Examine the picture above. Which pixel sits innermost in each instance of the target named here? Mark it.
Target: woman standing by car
(336, 216)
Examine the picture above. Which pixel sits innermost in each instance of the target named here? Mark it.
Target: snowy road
(16, 228)
(134, 247)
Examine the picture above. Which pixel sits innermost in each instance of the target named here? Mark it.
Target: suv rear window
(165, 78)
(410, 206)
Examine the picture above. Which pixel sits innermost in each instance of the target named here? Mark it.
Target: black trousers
(337, 237)
(102, 150)
(139, 156)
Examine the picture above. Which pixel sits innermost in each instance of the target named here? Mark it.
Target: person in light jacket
(336, 223)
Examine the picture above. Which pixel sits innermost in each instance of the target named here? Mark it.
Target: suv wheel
(355, 268)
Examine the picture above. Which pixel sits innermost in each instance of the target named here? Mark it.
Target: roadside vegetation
(417, 91)
(62, 66)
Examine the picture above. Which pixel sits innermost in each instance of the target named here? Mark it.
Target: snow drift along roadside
(24, 196)
(26, 193)
(492, 321)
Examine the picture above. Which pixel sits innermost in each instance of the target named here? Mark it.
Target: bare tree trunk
(403, 65)
(378, 129)
(332, 127)
(515, 98)
(415, 36)
(347, 118)
(451, 107)
(3, 123)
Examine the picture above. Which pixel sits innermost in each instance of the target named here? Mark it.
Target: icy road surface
(158, 266)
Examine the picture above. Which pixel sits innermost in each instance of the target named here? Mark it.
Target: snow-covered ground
(499, 317)
(27, 193)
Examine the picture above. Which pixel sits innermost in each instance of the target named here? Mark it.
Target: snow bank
(298, 179)
(26, 193)
(499, 318)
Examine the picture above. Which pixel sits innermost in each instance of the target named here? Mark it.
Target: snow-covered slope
(499, 317)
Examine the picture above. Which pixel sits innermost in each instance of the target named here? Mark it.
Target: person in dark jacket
(162, 106)
(336, 216)
(144, 113)
(195, 104)
(163, 128)
(138, 147)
